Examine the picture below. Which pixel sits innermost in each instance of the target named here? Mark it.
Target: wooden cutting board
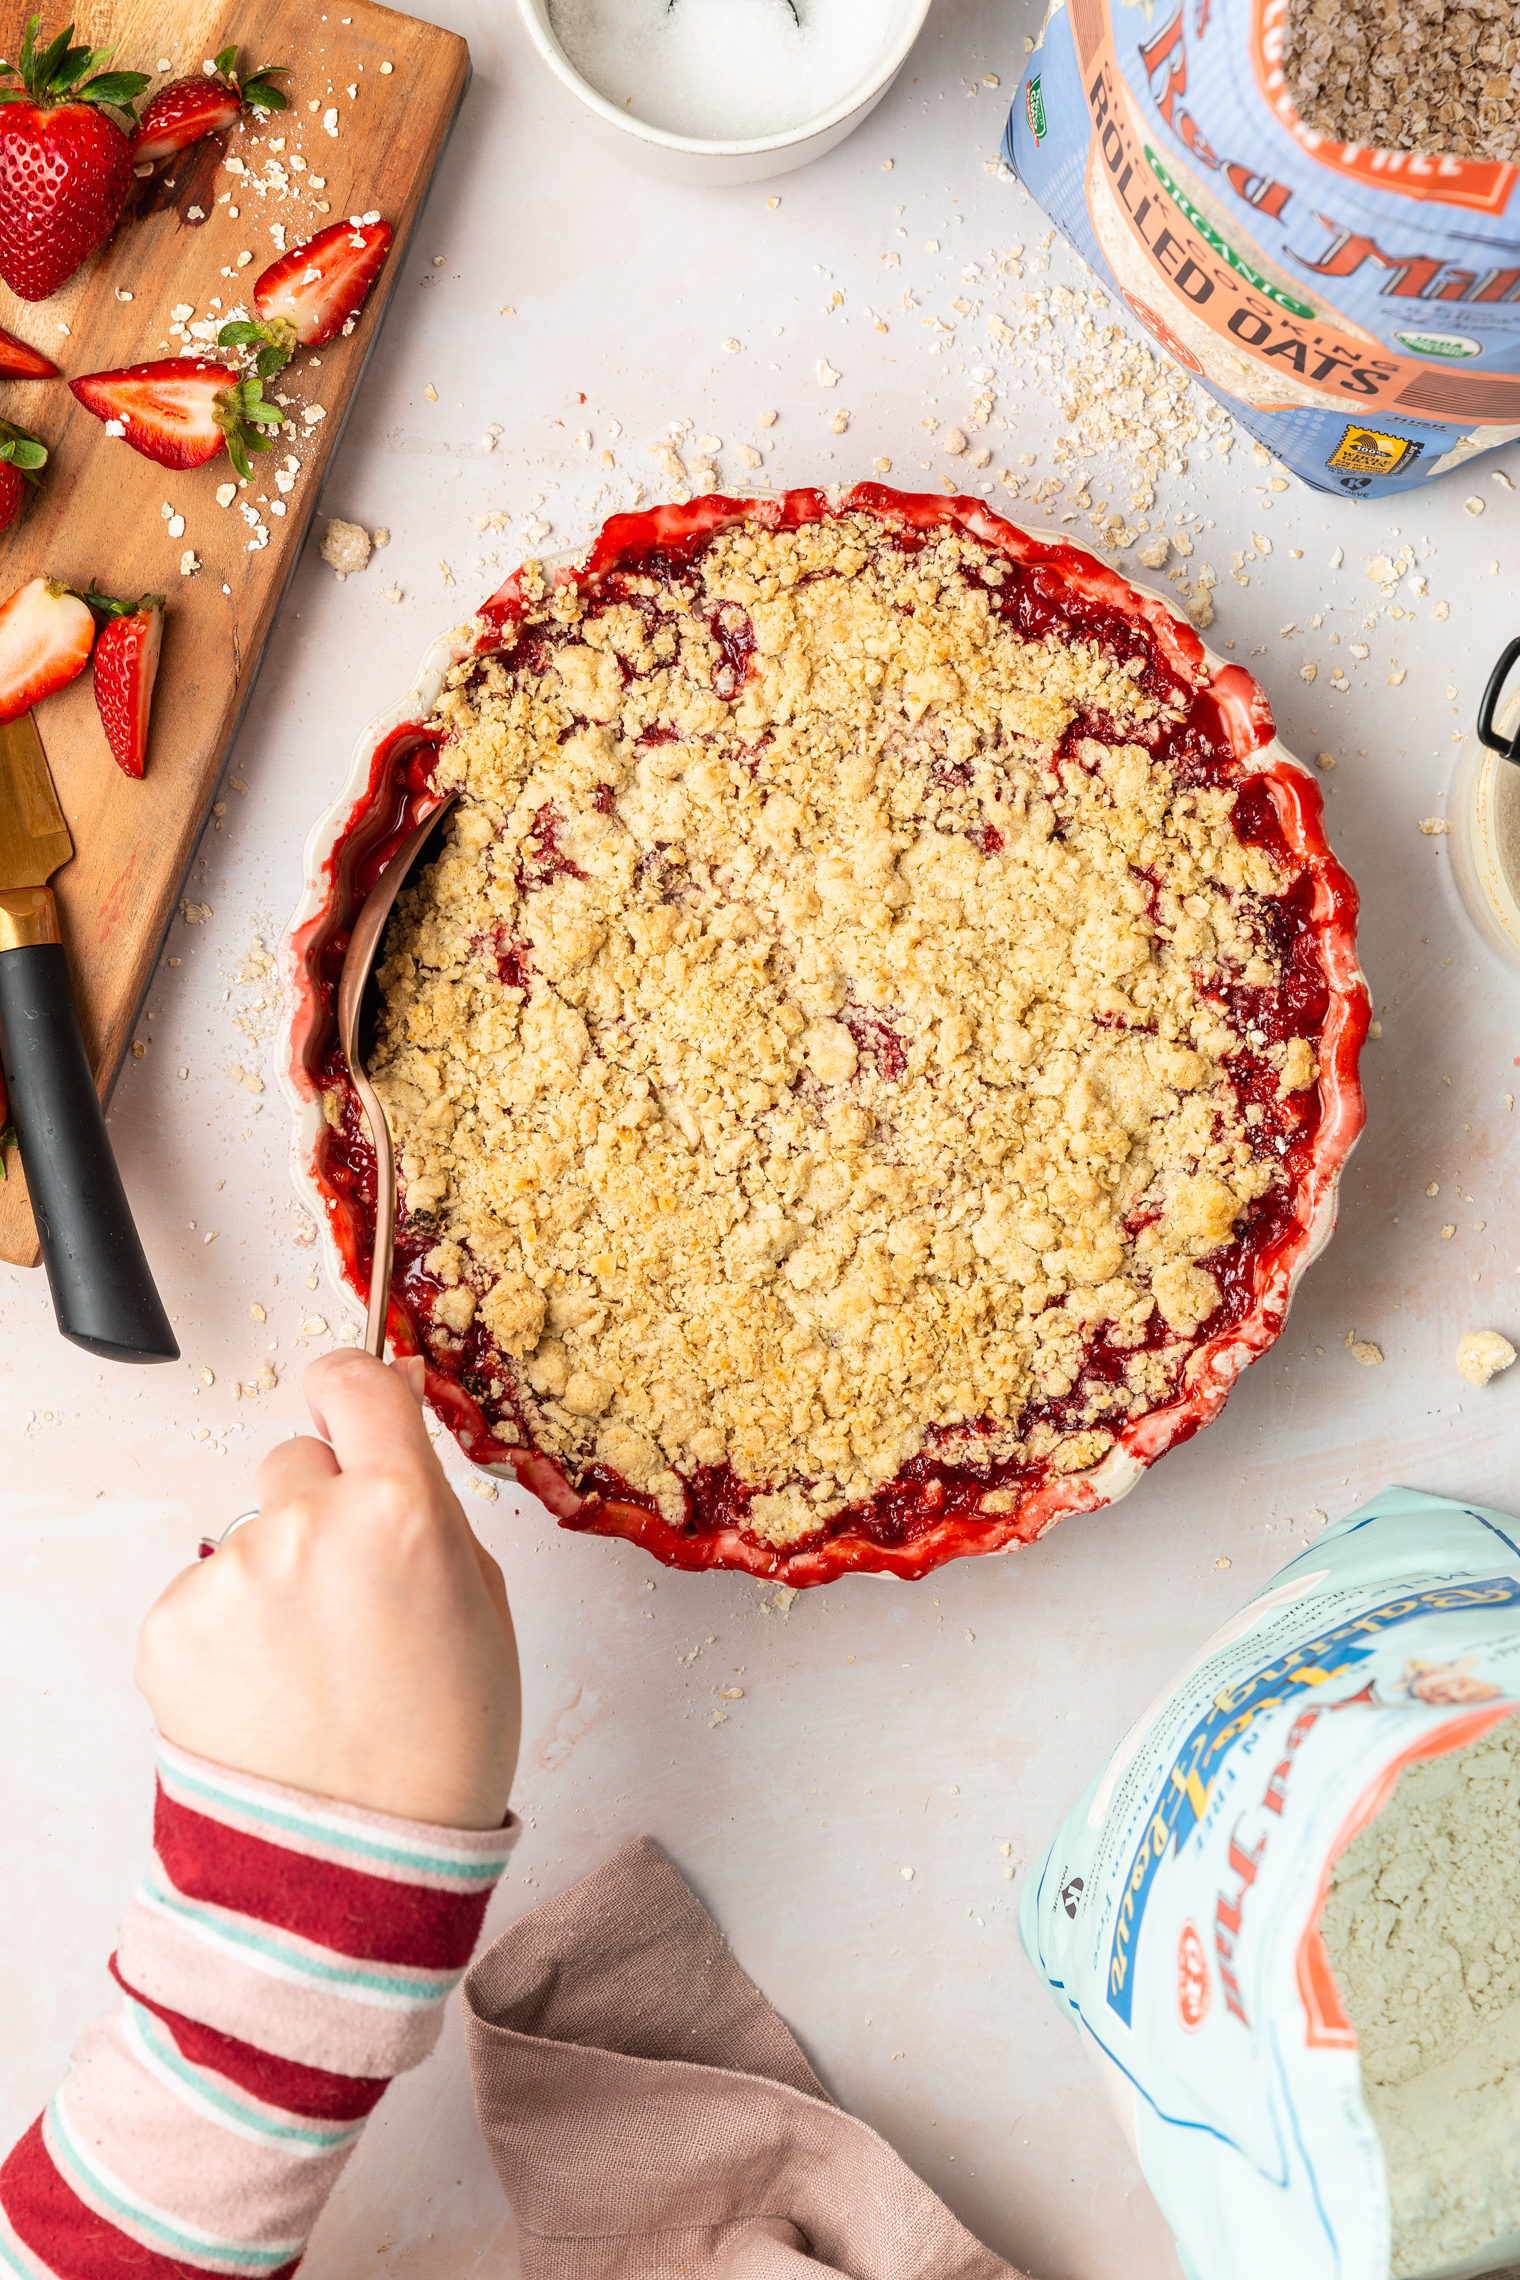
(100, 511)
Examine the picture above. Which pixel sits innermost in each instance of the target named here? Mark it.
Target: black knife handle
(103, 1291)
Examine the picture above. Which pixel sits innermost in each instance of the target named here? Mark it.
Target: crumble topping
(811, 1040)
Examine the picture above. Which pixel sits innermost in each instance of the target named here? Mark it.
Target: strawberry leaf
(74, 66)
(25, 451)
(58, 73)
(46, 64)
(118, 88)
(226, 61)
(261, 91)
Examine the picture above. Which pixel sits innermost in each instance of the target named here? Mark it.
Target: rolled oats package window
(1283, 1915)
(1311, 205)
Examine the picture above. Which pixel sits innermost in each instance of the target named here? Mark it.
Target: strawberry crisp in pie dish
(875, 1047)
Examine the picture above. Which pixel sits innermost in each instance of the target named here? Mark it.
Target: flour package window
(1285, 1916)
(1311, 204)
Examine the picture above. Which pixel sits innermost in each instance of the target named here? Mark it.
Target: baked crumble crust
(806, 1047)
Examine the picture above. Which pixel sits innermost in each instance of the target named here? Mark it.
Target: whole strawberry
(65, 165)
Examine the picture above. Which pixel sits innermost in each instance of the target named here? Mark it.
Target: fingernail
(416, 1377)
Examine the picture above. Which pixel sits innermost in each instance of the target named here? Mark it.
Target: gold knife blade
(34, 839)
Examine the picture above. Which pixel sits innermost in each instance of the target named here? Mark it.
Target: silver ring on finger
(210, 1544)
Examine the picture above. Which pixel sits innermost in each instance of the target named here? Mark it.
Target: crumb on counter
(1481, 1354)
(345, 545)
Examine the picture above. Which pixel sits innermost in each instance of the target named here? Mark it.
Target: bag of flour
(1312, 204)
(1285, 1916)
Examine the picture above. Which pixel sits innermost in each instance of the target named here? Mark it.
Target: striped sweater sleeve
(283, 1958)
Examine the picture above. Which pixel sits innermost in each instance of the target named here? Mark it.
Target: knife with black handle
(104, 1296)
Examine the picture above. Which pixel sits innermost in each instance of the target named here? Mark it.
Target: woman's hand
(354, 1640)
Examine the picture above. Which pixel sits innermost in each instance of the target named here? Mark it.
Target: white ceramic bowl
(690, 158)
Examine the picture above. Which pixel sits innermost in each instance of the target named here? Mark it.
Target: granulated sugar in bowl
(726, 69)
(722, 91)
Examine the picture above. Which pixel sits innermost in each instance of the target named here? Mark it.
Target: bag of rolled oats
(1311, 204)
(1285, 1916)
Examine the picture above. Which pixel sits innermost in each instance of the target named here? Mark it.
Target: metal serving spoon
(358, 959)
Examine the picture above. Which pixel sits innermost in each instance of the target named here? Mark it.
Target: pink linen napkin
(651, 2117)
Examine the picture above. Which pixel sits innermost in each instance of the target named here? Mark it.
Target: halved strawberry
(20, 361)
(188, 109)
(126, 666)
(182, 410)
(322, 284)
(46, 635)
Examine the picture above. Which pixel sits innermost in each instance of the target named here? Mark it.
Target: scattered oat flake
(431, 393)
(1221, 1562)
(315, 1326)
(827, 376)
(1447, 1233)
(1365, 1352)
(1434, 826)
(1474, 505)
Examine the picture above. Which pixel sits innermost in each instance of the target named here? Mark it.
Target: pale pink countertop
(881, 1727)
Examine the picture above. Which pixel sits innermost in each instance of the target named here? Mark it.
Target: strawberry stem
(258, 89)
(105, 606)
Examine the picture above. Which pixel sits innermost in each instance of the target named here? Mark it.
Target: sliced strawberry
(20, 361)
(65, 166)
(188, 109)
(322, 284)
(46, 635)
(126, 666)
(182, 410)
